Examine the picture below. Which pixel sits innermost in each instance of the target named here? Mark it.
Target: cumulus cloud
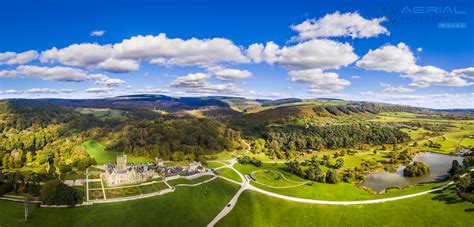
(400, 59)
(99, 89)
(388, 88)
(340, 25)
(466, 72)
(163, 50)
(56, 73)
(355, 77)
(97, 33)
(321, 53)
(102, 79)
(59, 73)
(321, 82)
(199, 83)
(389, 58)
(425, 76)
(12, 58)
(126, 56)
(222, 73)
(84, 55)
(119, 65)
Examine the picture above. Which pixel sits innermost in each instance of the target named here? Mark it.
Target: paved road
(245, 185)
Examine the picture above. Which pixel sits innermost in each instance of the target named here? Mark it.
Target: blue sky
(307, 49)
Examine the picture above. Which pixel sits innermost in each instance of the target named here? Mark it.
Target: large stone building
(122, 173)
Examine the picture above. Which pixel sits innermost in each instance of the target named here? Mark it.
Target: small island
(416, 169)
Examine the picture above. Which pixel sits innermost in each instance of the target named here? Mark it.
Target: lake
(439, 166)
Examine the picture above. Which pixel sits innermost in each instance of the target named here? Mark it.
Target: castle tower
(121, 162)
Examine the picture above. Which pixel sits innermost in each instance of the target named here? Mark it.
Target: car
(228, 205)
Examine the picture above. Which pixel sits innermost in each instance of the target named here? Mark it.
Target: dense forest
(283, 140)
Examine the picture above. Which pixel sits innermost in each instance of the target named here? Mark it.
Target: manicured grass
(73, 176)
(229, 173)
(272, 178)
(444, 209)
(152, 188)
(186, 206)
(192, 181)
(104, 156)
(211, 165)
(95, 185)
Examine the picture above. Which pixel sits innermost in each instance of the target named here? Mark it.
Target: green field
(191, 181)
(104, 156)
(441, 209)
(187, 206)
(274, 178)
(229, 173)
(104, 113)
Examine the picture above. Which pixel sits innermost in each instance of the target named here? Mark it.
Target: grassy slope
(192, 181)
(254, 209)
(229, 173)
(103, 156)
(187, 206)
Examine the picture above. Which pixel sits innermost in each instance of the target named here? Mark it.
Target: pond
(439, 166)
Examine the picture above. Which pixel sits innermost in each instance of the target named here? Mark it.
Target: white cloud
(466, 72)
(388, 88)
(12, 58)
(11, 92)
(400, 59)
(222, 73)
(321, 82)
(425, 76)
(355, 77)
(163, 50)
(199, 83)
(419, 49)
(97, 33)
(321, 53)
(340, 25)
(59, 73)
(105, 80)
(119, 65)
(99, 89)
(84, 55)
(56, 73)
(389, 58)
(49, 91)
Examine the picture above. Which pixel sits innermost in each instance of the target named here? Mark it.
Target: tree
(55, 192)
(416, 169)
(331, 176)
(5, 161)
(456, 169)
(178, 156)
(339, 163)
(29, 157)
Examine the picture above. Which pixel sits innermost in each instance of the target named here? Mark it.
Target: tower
(122, 162)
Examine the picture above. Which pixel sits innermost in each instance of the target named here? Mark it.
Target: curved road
(246, 185)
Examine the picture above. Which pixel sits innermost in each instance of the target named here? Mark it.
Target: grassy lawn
(211, 165)
(272, 178)
(152, 188)
(229, 173)
(104, 156)
(187, 206)
(192, 181)
(444, 209)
